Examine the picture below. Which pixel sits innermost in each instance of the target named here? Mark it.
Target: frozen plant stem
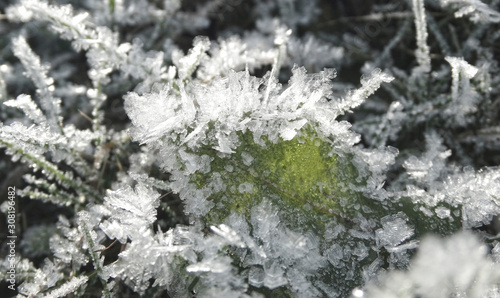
(422, 52)
(94, 253)
(281, 39)
(45, 87)
(52, 170)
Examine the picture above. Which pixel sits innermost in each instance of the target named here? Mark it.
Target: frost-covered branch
(423, 52)
(38, 74)
(68, 288)
(50, 170)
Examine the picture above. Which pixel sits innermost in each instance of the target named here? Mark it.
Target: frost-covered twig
(29, 107)
(68, 288)
(50, 170)
(45, 84)
(93, 249)
(464, 97)
(422, 52)
(369, 84)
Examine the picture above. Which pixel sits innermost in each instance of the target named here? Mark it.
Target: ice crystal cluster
(286, 148)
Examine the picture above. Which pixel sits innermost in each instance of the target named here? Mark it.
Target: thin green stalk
(52, 169)
(95, 259)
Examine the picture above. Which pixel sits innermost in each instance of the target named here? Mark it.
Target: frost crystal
(220, 115)
(132, 212)
(430, 166)
(186, 65)
(394, 232)
(476, 10)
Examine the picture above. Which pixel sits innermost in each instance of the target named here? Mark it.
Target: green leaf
(302, 175)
